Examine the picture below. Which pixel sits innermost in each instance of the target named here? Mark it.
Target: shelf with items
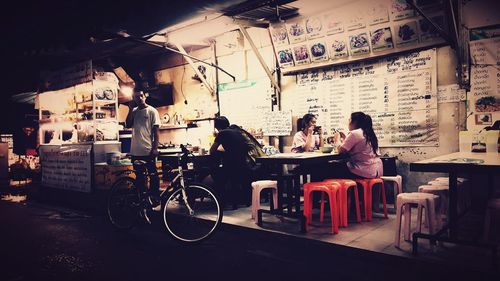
(199, 119)
(100, 102)
(80, 114)
(172, 127)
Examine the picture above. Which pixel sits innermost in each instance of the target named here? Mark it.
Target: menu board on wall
(485, 81)
(369, 28)
(245, 103)
(399, 93)
(66, 167)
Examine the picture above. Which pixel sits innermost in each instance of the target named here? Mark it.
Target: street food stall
(78, 131)
(394, 60)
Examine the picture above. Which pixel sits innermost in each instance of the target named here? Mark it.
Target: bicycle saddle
(139, 162)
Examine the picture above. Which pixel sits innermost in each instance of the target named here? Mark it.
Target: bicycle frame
(199, 209)
(179, 177)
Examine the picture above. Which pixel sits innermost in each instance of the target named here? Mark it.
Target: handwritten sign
(66, 167)
(399, 93)
(277, 123)
(485, 75)
(450, 93)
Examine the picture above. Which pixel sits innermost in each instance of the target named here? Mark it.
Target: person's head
(221, 123)
(362, 121)
(308, 120)
(140, 98)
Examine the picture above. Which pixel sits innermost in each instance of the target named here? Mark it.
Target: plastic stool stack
(463, 189)
(331, 189)
(425, 201)
(257, 187)
(345, 185)
(442, 192)
(367, 185)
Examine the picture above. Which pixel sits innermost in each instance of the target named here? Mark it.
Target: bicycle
(191, 211)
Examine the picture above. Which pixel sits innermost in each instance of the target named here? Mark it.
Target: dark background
(37, 35)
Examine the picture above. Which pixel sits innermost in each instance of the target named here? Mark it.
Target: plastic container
(326, 149)
(465, 141)
(113, 158)
(492, 141)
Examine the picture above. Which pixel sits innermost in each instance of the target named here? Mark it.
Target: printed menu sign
(296, 31)
(399, 93)
(279, 35)
(66, 167)
(357, 29)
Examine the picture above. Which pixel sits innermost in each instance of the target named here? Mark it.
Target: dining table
(198, 169)
(453, 164)
(275, 164)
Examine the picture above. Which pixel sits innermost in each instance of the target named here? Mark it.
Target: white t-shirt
(142, 131)
(299, 141)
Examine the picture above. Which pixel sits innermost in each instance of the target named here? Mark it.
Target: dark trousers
(154, 180)
(233, 184)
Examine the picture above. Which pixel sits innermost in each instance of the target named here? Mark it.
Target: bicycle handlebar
(183, 158)
(184, 149)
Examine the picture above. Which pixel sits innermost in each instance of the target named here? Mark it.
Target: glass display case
(97, 113)
(81, 114)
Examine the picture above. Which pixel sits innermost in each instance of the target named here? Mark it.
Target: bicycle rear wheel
(196, 220)
(123, 203)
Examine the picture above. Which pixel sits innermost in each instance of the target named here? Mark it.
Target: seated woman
(306, 138)
(361, 144)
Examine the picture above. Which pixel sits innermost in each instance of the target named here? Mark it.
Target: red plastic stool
(331, 190)
(367, 185)
(345, 184)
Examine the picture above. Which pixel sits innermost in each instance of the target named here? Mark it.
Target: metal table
(276, 162)
(454, 164)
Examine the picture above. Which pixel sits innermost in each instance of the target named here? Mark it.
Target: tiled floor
(377, 235)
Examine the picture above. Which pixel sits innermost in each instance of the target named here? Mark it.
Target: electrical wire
(182, 82)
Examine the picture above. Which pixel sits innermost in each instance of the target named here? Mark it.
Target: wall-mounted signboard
(400, 94)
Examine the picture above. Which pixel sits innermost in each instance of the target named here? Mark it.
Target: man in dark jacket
(237, 150)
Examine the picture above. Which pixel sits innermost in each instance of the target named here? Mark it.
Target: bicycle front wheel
(192, 218)
(123, 203)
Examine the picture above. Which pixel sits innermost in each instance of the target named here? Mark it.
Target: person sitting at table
(234, 177)
(361, 145)
(309, 137)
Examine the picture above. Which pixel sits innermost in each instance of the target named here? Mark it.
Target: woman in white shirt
(305, 139)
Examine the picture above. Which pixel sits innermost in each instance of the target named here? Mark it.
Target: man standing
(145, 122)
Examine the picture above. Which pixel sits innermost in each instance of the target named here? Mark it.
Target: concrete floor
(377, 236)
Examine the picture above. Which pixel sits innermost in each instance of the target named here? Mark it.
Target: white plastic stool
(442, 192)
(257, 187)
(463, 192)
(425, 201)
(398, 184)
(492, 211)
(447, 180)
